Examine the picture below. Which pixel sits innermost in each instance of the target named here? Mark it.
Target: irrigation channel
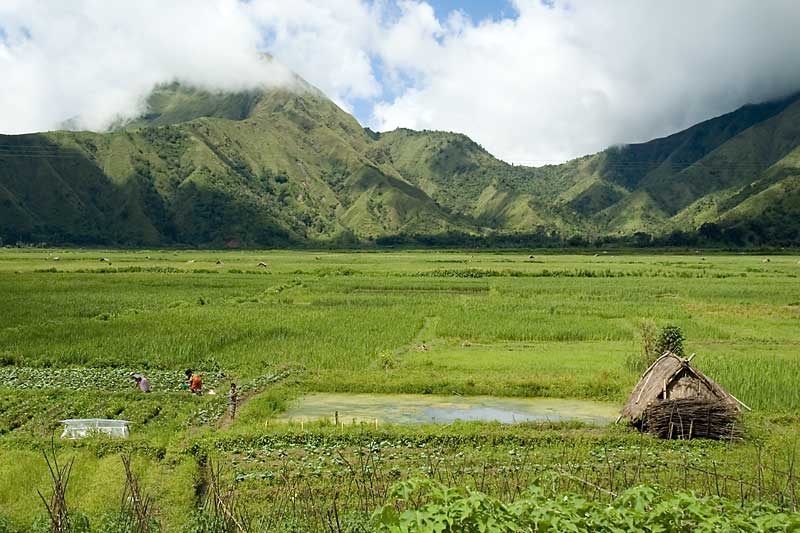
(424, 408)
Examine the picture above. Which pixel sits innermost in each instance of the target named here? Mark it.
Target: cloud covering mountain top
(552, 81)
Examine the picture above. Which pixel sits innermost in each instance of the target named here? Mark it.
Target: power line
(654, 163)
(51, 152)
(41, 156)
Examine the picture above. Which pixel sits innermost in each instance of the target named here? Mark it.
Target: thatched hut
(674, 399)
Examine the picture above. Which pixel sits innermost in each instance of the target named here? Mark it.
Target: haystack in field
(674, 399)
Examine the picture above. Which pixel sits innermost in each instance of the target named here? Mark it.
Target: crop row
(575, 273)
(87, 378)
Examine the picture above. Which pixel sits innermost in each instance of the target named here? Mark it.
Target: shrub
(670, 339)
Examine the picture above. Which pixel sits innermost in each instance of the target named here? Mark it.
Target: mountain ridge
(278, 167)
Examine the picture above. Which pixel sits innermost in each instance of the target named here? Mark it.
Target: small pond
(424, 408)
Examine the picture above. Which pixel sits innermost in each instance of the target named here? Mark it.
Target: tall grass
(763, 382)
(334, 313)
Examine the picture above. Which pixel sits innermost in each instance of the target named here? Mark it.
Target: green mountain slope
(293, 169)
(175, 103)
(277, 167)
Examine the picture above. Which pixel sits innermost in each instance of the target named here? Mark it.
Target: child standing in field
(233, 397)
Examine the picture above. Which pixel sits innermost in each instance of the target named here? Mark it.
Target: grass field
(503, 324)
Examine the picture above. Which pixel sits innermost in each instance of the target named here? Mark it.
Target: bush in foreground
(426, 506)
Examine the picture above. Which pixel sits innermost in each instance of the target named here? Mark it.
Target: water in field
(423, 408)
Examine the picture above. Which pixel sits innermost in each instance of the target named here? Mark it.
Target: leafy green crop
(430, 507)
(87, 378)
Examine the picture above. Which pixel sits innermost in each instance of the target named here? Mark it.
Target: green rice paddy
(452, 324)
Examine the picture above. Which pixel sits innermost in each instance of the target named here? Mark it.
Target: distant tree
(710, 231)
(642, 239)
(577, 240)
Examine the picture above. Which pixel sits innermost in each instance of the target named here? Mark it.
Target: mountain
(276, 167)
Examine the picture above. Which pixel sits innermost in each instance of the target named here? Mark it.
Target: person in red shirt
(195, 382)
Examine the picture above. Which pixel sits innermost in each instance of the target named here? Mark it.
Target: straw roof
(672, 377)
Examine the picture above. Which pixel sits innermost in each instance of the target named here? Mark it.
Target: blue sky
(478, 10)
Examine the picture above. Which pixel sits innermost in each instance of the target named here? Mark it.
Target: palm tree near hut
(674, 399)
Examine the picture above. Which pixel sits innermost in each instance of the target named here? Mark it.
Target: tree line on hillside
(755, 233)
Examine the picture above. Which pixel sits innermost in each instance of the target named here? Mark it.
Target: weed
(56, 505)
(137, 505)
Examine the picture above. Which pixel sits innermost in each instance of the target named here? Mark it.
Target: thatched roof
(670, 378)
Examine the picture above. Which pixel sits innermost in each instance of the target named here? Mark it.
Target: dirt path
(423, 340)
(226, 420)
(249, 393)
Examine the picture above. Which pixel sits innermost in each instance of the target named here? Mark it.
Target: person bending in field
(141, 382)
(233, 397)
(185, 383)
(195, 382)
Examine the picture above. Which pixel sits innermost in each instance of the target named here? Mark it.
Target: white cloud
(549, 84)
(96, 59)
(556, 83)
(328, 42)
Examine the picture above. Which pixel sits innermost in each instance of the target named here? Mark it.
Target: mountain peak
(275, 165)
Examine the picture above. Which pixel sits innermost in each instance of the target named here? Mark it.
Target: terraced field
(74, 323)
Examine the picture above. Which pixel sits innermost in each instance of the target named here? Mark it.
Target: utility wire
(640, 164)
(33, 151)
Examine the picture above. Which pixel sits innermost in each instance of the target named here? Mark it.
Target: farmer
(141, 382)
(185, 383)
(232, 399)
(195, 382)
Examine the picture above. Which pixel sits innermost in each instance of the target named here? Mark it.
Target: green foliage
(106, 379)
(319, 322)
(500, 316)
(648, 351)
(279, 168)
(641, 508)
(387, 360)
(174, 103)
(200, 521)
(111, 522)
(670, 339)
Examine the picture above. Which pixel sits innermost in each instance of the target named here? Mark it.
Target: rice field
(74, 323)
(526, 326)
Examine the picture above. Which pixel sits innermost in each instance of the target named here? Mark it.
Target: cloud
(97, 60)
(558, 82)
(328, 42)
(552, 81)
